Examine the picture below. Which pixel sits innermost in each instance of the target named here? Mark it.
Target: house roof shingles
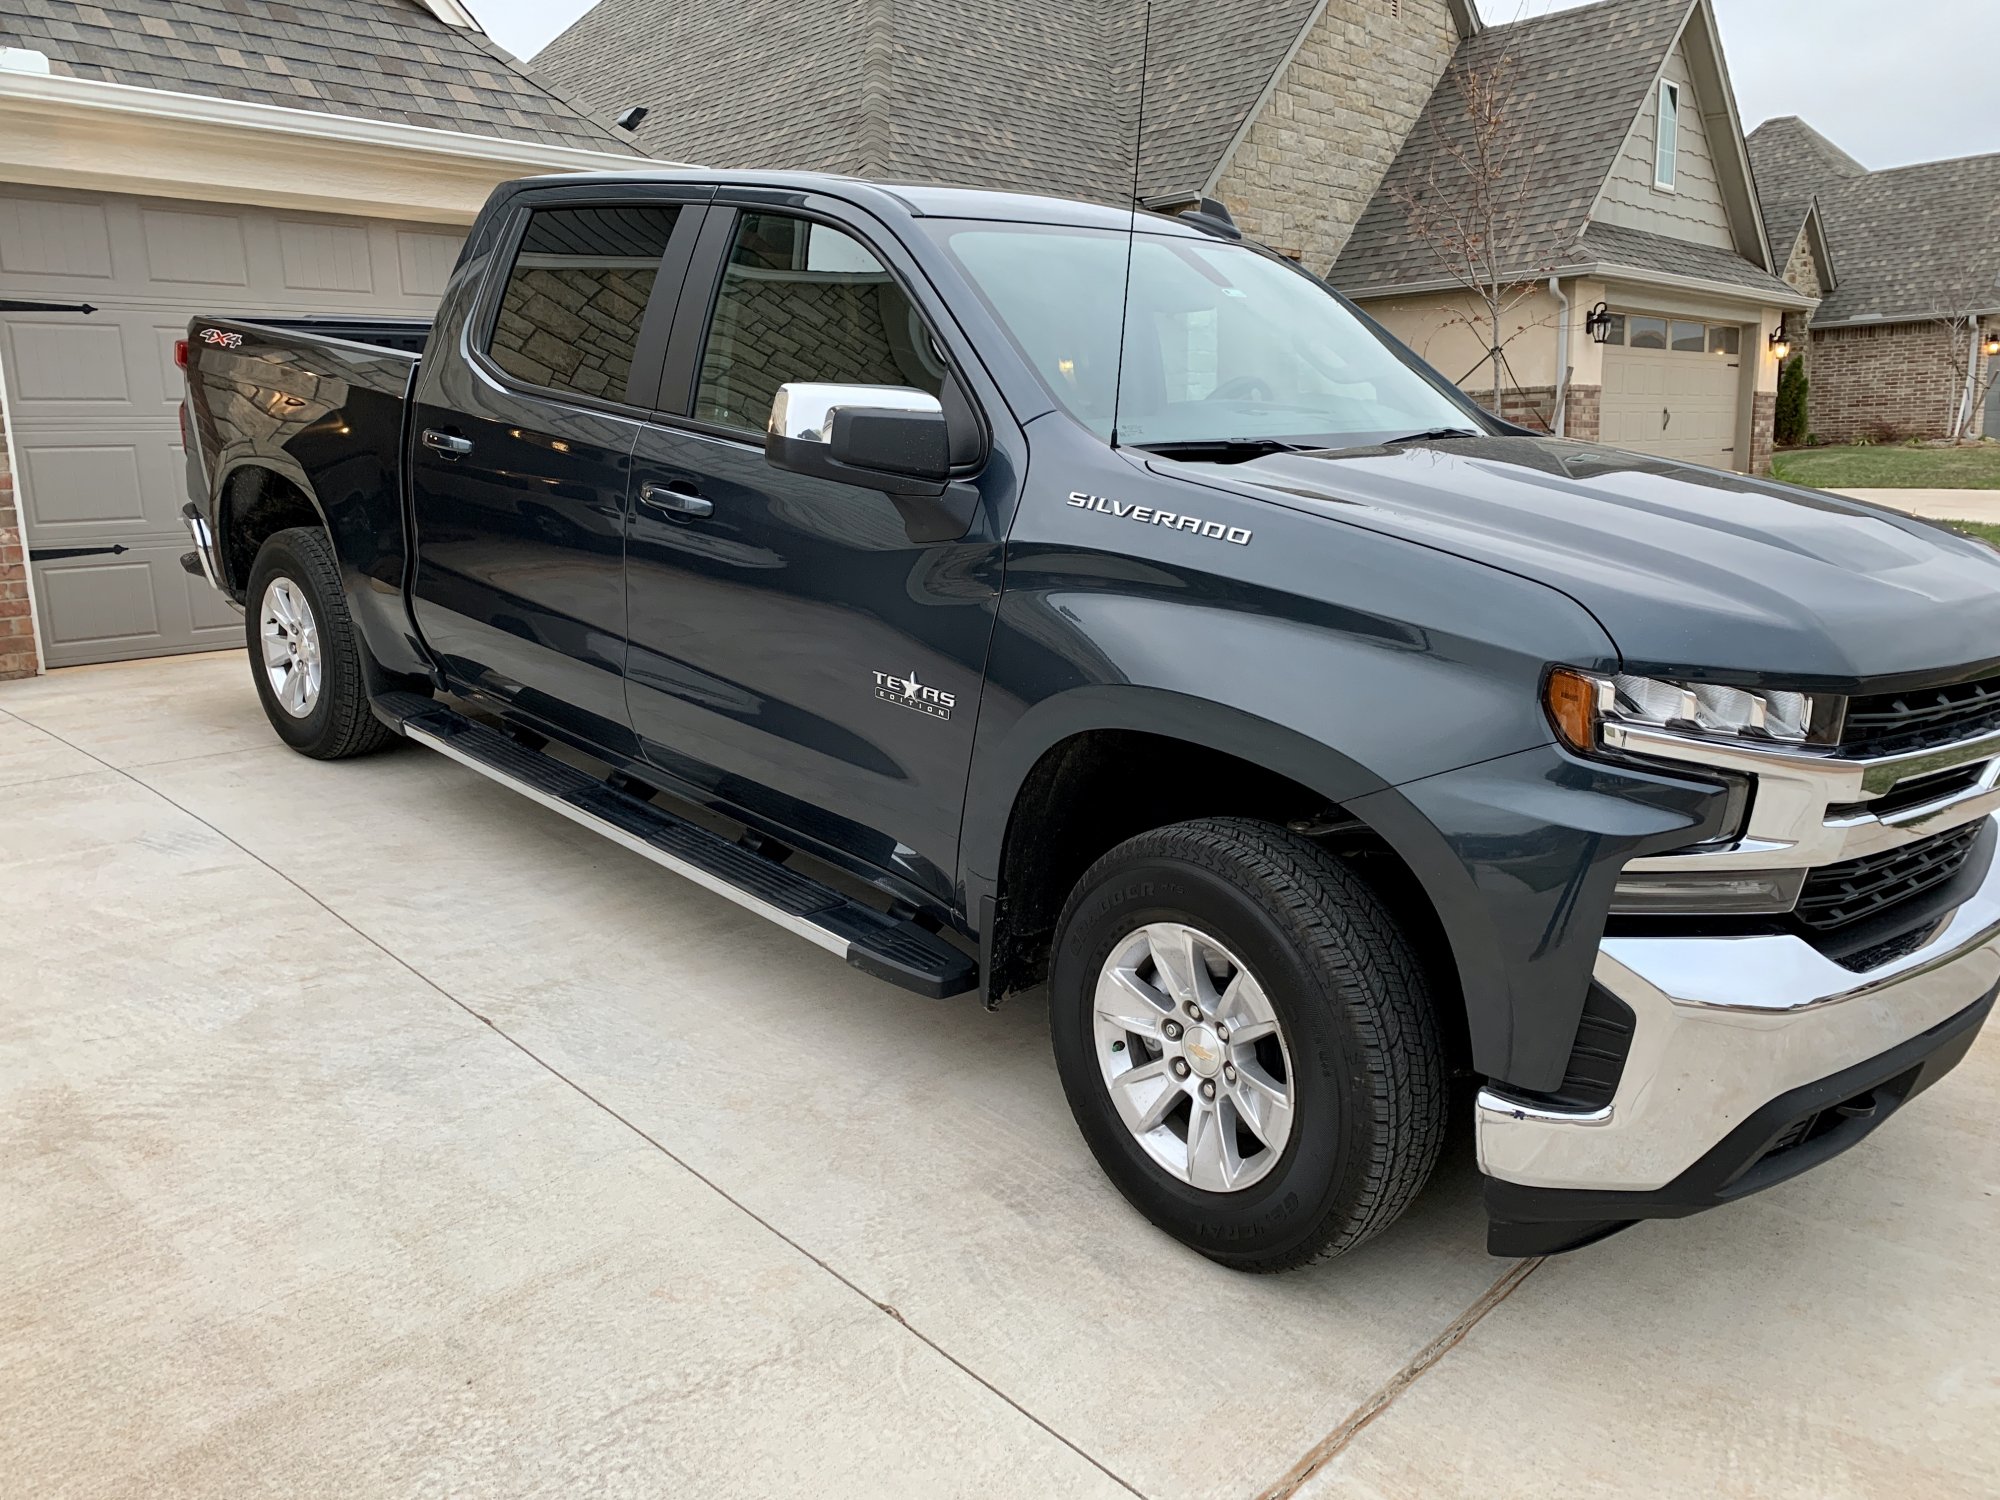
(1574, 82)
(1031, 95)
(376, 59)
(1911, 242)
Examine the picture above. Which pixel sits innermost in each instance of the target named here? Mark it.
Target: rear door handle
(677, 498)
(445, 443)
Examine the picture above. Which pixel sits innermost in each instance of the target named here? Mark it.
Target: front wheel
(305, 653)
(1246, 1042)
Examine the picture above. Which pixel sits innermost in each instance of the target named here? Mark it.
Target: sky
(1889, 92)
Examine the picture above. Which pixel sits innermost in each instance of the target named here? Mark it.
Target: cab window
(803, 301)
(570, 312)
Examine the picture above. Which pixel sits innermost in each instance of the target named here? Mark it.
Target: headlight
(1579, 703)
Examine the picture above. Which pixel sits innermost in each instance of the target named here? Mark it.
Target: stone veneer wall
(19, 656)
(1887, 381)
(1313, 157)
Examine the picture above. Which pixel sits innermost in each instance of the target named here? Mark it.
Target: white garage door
(1672, 387)
(93, 400)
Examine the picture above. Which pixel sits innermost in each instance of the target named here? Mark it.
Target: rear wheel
(305, 654)
(1246, 1042)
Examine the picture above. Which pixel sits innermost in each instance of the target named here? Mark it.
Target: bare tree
(1469, 205)
(1959, 313)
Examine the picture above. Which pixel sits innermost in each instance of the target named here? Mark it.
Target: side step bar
(887, 947)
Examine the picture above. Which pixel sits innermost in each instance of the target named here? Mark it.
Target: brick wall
(1885, 381)
(1763, 430)
(18, 655)
(1533, 407)
(1312, 159)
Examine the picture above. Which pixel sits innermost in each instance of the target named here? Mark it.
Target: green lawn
(1892, 468)
(1980, 529)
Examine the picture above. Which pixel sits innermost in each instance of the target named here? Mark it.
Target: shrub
(1792, 390)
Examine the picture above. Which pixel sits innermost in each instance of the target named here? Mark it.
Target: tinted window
(1690, 338)
(1725, 341)
(803, 301)
(569, 317)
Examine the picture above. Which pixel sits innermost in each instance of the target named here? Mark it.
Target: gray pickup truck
(1328, 750)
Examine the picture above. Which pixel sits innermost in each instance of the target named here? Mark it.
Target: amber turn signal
(1571, 699)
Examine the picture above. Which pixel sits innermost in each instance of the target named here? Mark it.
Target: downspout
(1562, 357)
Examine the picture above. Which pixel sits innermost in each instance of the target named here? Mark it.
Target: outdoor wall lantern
(1993, 344)
(1781, 341)
(1598, 324)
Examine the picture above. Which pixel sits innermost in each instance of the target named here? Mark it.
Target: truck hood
(1687, 569)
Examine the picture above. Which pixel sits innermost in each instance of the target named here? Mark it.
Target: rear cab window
(570, 311)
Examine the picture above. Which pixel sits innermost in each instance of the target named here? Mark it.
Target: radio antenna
(1132, 234)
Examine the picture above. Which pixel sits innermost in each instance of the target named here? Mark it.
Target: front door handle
(445, 443)
(677, 498)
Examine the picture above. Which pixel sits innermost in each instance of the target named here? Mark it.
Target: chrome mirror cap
(803, 411)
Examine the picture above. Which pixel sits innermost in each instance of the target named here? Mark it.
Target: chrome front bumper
(1725, 1025)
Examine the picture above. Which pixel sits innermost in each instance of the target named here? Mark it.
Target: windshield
(1225, 344)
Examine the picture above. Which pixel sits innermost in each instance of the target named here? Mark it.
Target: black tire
(1367, 1064)
(339, 724)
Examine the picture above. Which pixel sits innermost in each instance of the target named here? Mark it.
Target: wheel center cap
(1202, 1050)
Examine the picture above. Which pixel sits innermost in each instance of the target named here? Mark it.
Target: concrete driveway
(370, 1131)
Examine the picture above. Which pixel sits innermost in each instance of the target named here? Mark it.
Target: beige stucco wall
(1451, 331)
(1694, 209)
(1320, 145)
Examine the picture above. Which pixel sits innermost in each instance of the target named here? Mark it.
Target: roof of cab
(915, 200)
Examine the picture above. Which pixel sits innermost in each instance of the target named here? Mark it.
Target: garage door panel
(194, 249)
(87, 601)
(81, 482)
(63, 238)
(325, 257)
(56, 366)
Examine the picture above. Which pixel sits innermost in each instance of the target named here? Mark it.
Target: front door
(522, 459)
(793, 652)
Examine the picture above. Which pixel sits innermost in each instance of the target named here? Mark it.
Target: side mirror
(881, 437)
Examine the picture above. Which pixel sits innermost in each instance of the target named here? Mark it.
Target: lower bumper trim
(1791, 1134)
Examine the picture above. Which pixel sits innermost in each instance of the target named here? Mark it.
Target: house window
(1668, 137)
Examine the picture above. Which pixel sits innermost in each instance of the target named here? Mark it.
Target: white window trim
(1668, 88)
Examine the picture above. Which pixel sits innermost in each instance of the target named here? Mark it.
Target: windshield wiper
(1228, 450)
(1434, 434)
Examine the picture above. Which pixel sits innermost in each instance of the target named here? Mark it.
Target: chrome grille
(1836, 896)
(1899, 723)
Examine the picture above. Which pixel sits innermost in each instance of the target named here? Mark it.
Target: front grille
(1836, 896)
(1900, 723)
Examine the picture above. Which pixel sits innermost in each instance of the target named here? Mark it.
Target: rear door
(794, 651)
(525, 418)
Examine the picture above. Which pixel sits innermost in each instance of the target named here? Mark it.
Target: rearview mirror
(881, 437)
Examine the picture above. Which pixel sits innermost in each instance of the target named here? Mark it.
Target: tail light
(181, 353)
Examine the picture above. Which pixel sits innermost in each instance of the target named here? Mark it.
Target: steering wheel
(1242, 388)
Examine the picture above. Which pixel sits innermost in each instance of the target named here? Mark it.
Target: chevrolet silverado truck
(1005, 594)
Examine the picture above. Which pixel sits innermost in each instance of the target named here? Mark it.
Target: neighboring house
(163, 157)
(1304, 117)
(1288, 110)
(1632, 190)
(1908, 263)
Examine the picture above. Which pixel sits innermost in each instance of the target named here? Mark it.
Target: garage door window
(1679, 335)
(569, 316)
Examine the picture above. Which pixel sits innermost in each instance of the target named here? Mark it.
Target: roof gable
(390, 60)
(1573, 84)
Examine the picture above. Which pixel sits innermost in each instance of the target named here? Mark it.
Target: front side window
(1222, 342)
(569, 315)
(1668, 140)
(803, 301)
